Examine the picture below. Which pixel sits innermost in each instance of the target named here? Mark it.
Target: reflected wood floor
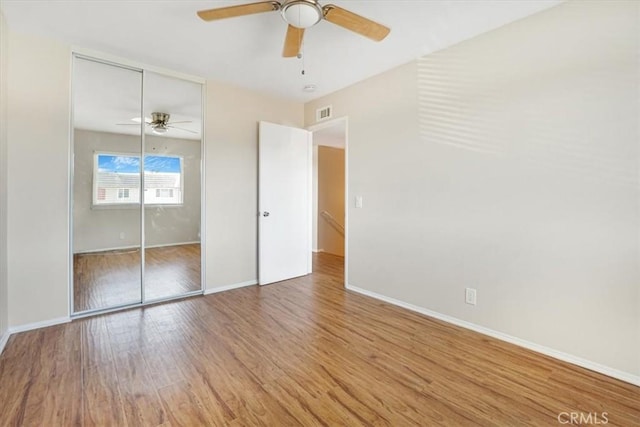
(299, 352)
(112, 278)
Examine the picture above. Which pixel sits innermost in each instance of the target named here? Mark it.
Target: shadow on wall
(528, 106)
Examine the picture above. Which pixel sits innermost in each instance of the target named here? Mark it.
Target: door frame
(323, 125)
(100, 57)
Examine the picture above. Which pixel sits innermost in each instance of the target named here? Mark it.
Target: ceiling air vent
(324, 113)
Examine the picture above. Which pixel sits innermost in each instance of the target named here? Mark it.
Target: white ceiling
(246, 51)
(106, 98)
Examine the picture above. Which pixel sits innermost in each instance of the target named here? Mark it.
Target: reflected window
(123, 193)
(116, 179)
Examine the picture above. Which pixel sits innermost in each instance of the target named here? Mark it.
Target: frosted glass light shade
(160, 130)
(302, 14)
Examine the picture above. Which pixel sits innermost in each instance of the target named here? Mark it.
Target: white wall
(4, 312)
(100, 228)
(508, 163)
(330, 198)
(231, 131)
(38, 146)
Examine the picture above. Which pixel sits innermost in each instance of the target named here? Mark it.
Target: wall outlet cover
(470, 296)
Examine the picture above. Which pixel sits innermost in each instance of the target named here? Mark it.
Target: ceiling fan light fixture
(301, 13)
(160, 129)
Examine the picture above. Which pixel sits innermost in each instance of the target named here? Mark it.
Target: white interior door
(284, 203)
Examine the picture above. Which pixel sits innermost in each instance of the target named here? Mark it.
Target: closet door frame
(90, 55)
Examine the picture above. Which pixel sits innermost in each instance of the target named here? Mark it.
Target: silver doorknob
(265, 213)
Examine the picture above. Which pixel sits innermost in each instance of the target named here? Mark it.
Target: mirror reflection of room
(172, 182)
(120, 256)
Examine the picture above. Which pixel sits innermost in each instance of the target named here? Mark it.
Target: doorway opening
(329, 195)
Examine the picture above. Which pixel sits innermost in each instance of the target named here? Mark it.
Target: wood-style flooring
(300, 352)
(109, 279)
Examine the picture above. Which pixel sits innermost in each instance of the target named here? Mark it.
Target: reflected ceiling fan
(159, 123)
(300, 15)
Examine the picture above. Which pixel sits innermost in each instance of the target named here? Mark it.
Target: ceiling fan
(159, 123)
(300, 15)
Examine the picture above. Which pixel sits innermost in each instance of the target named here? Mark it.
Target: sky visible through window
(117, 179)
(131, 164)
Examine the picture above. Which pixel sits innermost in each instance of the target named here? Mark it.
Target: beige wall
(3, 176)
(100, 228)
(508, 163)
(232, 174)
(330, 199)
(314, 196)
(38, 146)
(38, 226)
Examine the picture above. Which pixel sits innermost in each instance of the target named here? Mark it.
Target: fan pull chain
(301, 55)
(301, 41)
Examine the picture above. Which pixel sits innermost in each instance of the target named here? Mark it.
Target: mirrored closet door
(172, 190)
(136, 203)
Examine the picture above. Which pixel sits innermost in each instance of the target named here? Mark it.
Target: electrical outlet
(122, 235)
(470, 296)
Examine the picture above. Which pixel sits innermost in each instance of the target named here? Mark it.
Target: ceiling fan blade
(183, 121)
(186, 130)
(293, 41)
(356, 23)
(128, 124)
(240, 10)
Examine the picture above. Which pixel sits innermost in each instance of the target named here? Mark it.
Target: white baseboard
(3, 340)
(115, 248)
(317, 250)
(584, 363)
(29, 327)
(164, 245)
(38, 325)
(123, 248)
(230, 287)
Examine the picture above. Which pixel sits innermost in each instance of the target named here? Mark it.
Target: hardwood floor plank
(106, 279)
(95, 342)
(299, 352)
(111, 278)
(52, 375)
(102, 400)
(172, 270)
(165, 365)
(298, 406)
(142, 405)
(15, 376)
(184, 408)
